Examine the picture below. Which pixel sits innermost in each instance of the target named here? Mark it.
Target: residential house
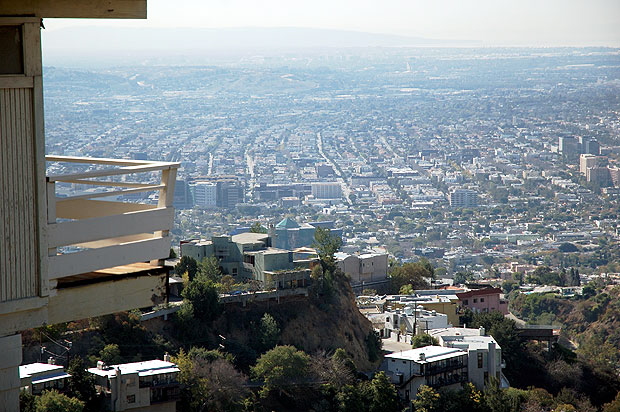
(38, 377)
(151, 386)
(483, 300)
(434, 366)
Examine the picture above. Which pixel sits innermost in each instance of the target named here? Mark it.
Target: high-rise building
(568, 146)
(463, 198)
(327, 190)
(599, 175)
(589, 145)
(587, 161)
(205, 194)
(614, 174)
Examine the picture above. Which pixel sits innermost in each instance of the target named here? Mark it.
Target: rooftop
(145, 368)
(431, 354)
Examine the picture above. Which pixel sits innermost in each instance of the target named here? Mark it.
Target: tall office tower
(205, 194)
(182, 195)
(599, 175)
(229, 193)
(463, 198)
(327, 190)
(587, 161)
(568, 146)
(589, 145)
(614, 174)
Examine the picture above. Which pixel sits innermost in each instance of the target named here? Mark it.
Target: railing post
(166, 199)
(51, 211)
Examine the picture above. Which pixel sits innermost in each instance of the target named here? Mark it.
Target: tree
(187, 265)
(384, 397)
(422, 340)
(413, 274)
(257, 228)
(53, 401)
(209, 269)
(326, 246)
(203, 297)
(427, 400)
(81, 383)
(373, 345)
(567, 247)
(281, 367)
(268, 333)
(172, 254)
(110, 354)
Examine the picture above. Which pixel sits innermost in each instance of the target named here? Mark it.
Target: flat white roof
(37, 368)
(145, 368)
(431, 353)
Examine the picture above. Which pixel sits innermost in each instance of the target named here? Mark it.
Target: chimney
(422, 356)
(166, 357)
(51, 361)
(482, 331)
(100, 365)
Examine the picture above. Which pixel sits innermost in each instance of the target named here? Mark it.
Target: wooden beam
(106, 297)
(94, 259)
(88, 230)
(96, 9)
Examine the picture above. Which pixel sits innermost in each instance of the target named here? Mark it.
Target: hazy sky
(493, 22)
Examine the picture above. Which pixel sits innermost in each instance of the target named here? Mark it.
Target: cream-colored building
(39, 282)
(368, 267)
(151, 386)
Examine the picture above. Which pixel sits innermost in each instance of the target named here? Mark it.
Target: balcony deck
(94, 233)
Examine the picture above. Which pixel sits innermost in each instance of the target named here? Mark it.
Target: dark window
(479, 360)
(11, 50)
(131, 398)
(466, 302)
(481, 299)
(475, 300)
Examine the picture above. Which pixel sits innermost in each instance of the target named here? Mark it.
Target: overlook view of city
(328, 207)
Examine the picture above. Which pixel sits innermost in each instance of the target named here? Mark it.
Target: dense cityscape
(473, 158)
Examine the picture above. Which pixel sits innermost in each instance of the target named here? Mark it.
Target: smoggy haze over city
(476, 22)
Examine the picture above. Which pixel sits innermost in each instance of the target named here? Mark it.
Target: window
(131, 398)
(466, 302)
(480, 359)
(481, 299)
(475, 300)
(234, 271)
(11, 50)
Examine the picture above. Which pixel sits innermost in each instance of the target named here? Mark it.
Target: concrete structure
(568, 147)
(614, 174)
(38, 377)
(205, 194)
(463, 198)
(250, 256)
(404, 324)
(483, 352)
(368, 267)
(39, 282)
(151, 386)
(434, 366)
(291, 235)
(327, 190)
(483, 300)
(599, 175)
(587, 161)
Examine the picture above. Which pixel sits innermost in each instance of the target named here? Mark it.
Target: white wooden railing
(108, 233)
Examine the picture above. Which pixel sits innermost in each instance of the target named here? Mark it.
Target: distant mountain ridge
(85, 38)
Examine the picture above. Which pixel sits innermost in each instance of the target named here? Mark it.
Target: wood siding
(19, 265)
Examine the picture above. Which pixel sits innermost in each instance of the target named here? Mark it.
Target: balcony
(106, 217)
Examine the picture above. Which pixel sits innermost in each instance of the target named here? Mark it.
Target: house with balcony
(38, 377)
(139, 386)
(483, 352)
(434, 366)
(74, 243)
